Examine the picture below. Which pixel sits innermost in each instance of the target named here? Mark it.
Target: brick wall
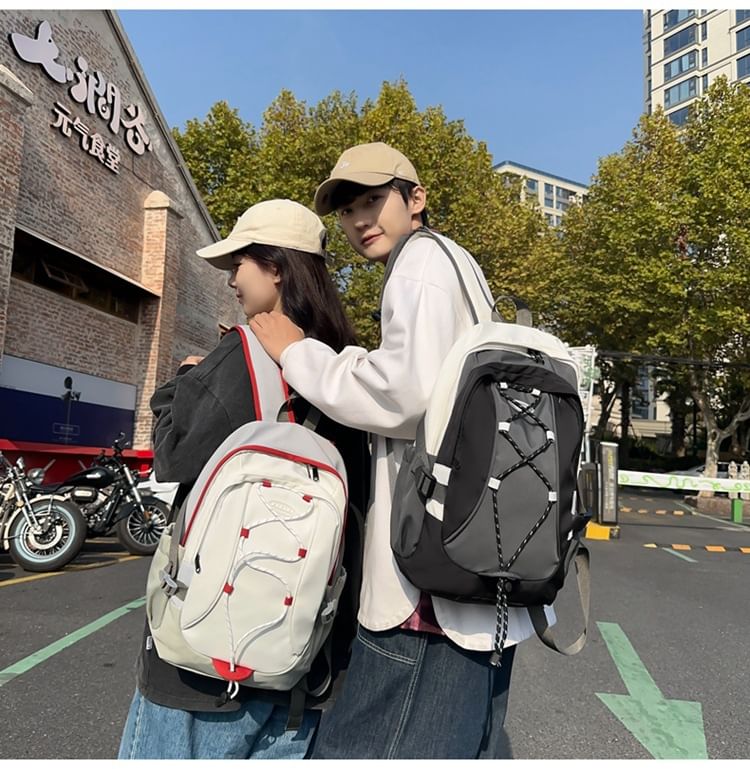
(53, 329)
(64, 194)
(14, 101)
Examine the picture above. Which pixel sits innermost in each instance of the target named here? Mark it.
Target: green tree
(716, 326)
(220, 153)
(297, 145)
(657, 258)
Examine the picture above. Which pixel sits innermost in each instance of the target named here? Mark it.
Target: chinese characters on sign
(94, 144)
(91, 89)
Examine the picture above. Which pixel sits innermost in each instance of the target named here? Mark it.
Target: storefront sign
(91, 89)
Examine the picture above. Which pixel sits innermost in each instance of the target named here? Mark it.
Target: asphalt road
(687, 620)
(682, 612)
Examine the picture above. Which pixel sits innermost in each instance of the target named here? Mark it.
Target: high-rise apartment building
(554, 194)
(685, 51)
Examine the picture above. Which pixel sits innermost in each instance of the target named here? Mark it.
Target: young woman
(276, 255)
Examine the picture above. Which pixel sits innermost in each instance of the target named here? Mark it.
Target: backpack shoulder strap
(465, 272)
(270, 391)
(539, 619)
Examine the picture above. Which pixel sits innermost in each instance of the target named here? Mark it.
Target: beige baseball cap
(270, 223)
(371, 165)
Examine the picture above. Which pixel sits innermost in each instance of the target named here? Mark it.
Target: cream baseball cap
(270, 223)
(371, 165)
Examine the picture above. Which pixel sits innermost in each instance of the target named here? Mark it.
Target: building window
(704, 30)
(548, 188)
(45, 265)
(677, 67)
(743, 67)
(740, 16)
(673, 18)
(549, 202)
(743, 39)
(679, 116)
(643, 394)
(705, 84)
(550, 219)
(558, 221)
(681, 92)
(679, 40)
(531, 185)
(704, 57)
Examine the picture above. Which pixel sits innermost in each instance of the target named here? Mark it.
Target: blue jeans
(417, 695)
(256, 730)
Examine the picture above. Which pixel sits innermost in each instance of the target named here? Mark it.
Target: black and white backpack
(485, 507)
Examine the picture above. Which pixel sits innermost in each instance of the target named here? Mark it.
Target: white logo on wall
(90, 89)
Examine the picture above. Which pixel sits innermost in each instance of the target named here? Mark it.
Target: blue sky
(550, 89)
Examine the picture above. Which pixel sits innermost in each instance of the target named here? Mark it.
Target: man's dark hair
(308, 295)
(344, 193)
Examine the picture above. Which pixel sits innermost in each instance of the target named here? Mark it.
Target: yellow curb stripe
(681, 547)
(20, 580)
(678, 512)
(100, 564)
(75, 567)
(716, 549)
(626, 509)
(651, 546)
(643, 511)
(745, 549)
(661, 512)
(113, 554)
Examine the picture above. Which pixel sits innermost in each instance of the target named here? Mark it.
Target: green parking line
(679, 555)
(27, 663)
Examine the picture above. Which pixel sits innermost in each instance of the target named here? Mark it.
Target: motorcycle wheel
(61, 539)
(140, 534)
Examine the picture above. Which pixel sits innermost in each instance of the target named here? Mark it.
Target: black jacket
(195, 412)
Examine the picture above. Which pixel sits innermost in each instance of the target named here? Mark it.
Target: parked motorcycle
(42, 534)
(107, 495)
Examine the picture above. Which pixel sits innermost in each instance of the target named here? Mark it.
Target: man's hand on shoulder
(275, 332)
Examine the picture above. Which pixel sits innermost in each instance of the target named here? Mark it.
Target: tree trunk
(624, 421)
(678, 432)
(607, 400)
(736, 449)
(714, 434)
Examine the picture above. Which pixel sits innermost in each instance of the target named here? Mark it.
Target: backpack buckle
(168, 585)
(329, 612)
(425, 483)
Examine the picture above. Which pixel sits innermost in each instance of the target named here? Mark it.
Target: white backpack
(245, 584)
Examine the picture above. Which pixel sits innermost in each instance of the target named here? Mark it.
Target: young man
(420, 683)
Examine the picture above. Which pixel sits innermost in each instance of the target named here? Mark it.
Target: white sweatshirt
(386, 392)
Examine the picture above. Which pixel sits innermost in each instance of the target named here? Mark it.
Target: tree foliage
(657, 258)
(236, 165)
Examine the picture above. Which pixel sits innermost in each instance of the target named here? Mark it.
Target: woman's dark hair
(308, 295)
(344, 193)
